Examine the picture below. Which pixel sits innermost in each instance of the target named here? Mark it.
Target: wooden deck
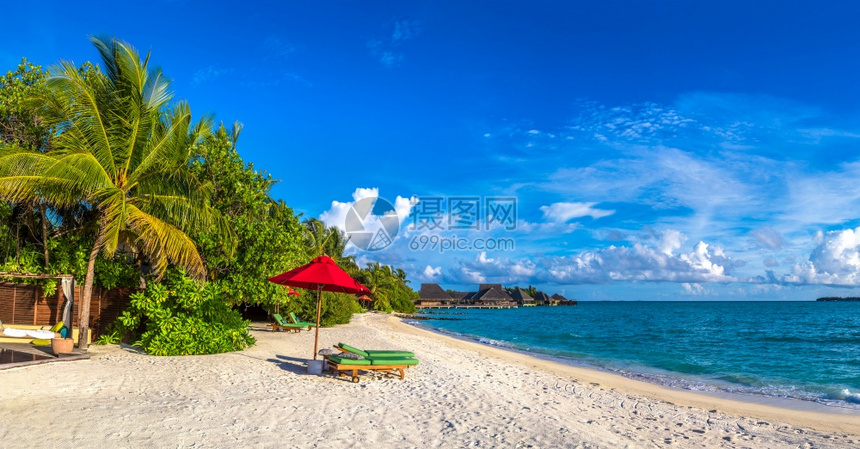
(17, 355)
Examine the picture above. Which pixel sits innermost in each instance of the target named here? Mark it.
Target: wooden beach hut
(542, 299)
(432, 295)
(492, 295)
(461, 297)
(562, 301)
(522, 298)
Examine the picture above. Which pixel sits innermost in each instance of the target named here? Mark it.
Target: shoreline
(791, 411)
(462, 394)
(788, 403)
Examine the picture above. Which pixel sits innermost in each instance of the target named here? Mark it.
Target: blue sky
(657, 150)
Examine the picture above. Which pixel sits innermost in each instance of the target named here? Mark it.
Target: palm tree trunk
(45, 235)
(88, 292)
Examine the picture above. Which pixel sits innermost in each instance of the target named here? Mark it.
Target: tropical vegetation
(106, 176)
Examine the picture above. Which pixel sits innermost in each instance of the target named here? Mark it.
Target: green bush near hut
(179, 317)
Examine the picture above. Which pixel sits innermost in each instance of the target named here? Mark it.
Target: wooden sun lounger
(342, 369)
(284, 325)
(388, 363)
(277, 327)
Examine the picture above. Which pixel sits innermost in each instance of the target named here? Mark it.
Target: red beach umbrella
(364, 298)
(320, 274)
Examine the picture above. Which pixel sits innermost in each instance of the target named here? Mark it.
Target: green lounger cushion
(343, 361)
(283, 323)
(352, 349)
(373, 354)
(298, 321)
(394, 361)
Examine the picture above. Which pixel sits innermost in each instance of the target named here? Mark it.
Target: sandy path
(461, 395)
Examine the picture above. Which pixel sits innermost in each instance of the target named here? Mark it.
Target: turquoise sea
(801, 350)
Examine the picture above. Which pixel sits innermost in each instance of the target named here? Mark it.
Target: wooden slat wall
(25, 304)
(7, 303)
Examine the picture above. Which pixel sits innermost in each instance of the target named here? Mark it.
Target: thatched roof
(459, 296)
(559, 297)
(521, 296)
(493, 293)
(433, 292)
(541, 296)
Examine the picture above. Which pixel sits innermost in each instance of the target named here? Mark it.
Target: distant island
(835, 299)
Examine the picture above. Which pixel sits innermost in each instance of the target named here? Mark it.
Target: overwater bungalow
(542, 299)
(492, 295)
(433, 295)
(522, 298)
(487, 296)
(562, 301)
(461, 297)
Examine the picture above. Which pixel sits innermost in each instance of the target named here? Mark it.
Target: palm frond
(80, 104)
(163, 243)
(114, 209)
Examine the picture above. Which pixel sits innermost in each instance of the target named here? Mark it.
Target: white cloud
(336, 214)
(639, 262)
(766, 237)
(829, 197)
(563, 212)
(694, 289)
(642, 263)
(431, 274)
(671, 240)
(663, 178)
(640, 122)
(836, 261)
(546, 228)
(504, 270)
(466, 275)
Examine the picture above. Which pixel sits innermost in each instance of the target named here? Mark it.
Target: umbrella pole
(319, 312)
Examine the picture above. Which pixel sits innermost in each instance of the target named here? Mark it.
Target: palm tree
(121, 150)
(322, 240)
(380, 280)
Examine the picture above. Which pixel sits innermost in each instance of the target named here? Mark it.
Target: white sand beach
(463, 394)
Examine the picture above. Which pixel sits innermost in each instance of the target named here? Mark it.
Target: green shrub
(337, 308)
(111, 337)
(179, 317)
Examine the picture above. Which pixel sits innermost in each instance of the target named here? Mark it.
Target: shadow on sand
(300, 367)
(294, 365)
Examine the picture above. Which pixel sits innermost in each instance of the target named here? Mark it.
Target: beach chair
(304, 323)
(369, 353)
(282, 324)
(342, 365)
